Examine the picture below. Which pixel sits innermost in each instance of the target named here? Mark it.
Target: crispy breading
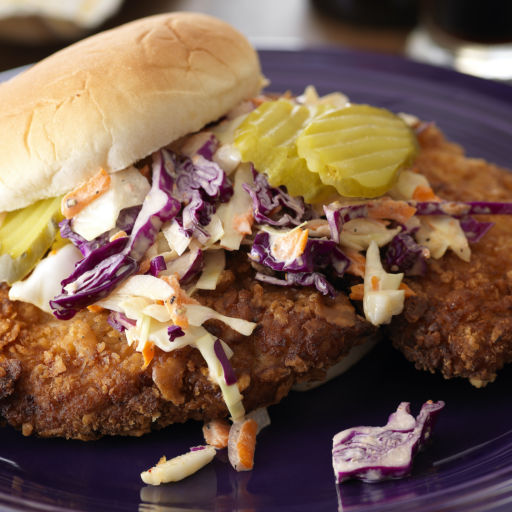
(460, 322)
(80, 379)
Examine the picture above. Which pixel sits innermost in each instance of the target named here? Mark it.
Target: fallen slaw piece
(180, 467)
(239, 438)
(242, 438)
(373, 454)
(242, 444)
(216, 433)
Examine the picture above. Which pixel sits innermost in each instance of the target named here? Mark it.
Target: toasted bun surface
(116, 97)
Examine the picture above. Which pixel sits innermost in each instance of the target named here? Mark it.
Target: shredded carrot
(246, 444)
(357, 292)
(148, 352)
(243, 223)
(95, 309)
(176, 301)
(387, 208)
(258, 100)
(76, 200)
(375, 282)
(409, 292)
(145, 171)
(424, 193)
(357, 262)
(291, 245)
(144, 265)
(119, 234)
(216, 433)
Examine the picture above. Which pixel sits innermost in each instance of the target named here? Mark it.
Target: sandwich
(177, 244)
(129, 301)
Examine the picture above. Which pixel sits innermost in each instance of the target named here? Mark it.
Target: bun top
(114, 98)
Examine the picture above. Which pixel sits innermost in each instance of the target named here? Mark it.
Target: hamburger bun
(114, 98)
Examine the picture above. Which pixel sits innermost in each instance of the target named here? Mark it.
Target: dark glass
(384, 13)
(481, 21)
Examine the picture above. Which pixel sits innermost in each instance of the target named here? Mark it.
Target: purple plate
(468, 467)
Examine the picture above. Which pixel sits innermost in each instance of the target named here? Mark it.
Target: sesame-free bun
(114, 98)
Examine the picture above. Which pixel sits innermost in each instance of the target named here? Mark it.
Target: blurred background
(472, 36)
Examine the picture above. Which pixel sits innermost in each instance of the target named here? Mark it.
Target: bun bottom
(353, 357)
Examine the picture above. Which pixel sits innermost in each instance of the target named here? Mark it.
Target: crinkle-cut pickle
(358, 149)
(27, 234)
(267, 139)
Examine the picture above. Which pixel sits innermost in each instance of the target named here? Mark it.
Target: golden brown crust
(460, 322)
(116, 97)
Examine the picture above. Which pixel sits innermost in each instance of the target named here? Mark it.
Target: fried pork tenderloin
(460, 321)
(80, 379)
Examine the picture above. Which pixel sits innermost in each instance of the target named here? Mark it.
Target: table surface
(267, 23)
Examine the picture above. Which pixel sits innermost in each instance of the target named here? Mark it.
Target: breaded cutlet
(80, 379)
(460, 321)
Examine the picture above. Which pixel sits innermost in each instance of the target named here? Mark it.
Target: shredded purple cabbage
(127, 218)
(125, 223)
(314, 279)
(274, 206)
(403, 254)
(261, 253)
(474, 229)
(158, 207)
(207, 150)
(107, 266)
(187, 266)
(83, 245)
(197, 448)
(174, 331)
(460, 209)
(336, 217)
(271, 279)
(229, 373)
(200, 185)
(94, 278)
(373, 454)
(318, 254)
(120, 321)
(326, 255)
(156, 265)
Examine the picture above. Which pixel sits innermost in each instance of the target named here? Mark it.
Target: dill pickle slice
(359, 149)
(25, 236)
(267, 138)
